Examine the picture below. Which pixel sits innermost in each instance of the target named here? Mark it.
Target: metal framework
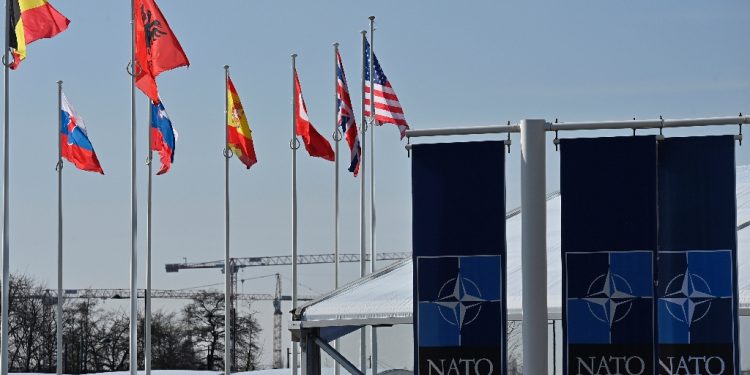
(282, 260)
(158, 293)
(533, 225)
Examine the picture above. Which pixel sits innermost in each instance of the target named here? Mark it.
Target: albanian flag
(156, 47)
(31, 20)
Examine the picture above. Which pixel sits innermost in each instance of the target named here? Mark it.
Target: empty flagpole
(294, 145)
(147, 295)
(362, 211)
(374, 331)
(227, 264)
(336, 139)
(6, 251)
(59, 167)
(133, 210)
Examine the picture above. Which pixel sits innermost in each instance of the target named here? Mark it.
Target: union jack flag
(387, 107)
(345, 117)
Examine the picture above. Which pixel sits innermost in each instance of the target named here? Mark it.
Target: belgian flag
(31, 20)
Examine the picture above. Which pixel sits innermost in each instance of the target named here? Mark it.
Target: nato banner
(458, 198)
(697, 269)
(609, 238)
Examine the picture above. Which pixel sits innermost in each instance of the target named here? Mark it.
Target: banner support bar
(594, 125)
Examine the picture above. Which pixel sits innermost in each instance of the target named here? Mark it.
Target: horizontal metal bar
(649, 124)
(491, 129)
(593, 125)
(506, 142)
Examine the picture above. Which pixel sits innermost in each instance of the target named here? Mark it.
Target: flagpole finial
(364, 32)
(336, 44)
(59, 82)
(294, 55)
(226, 67)
(371, 18)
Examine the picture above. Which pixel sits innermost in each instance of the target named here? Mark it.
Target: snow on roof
(386, 296)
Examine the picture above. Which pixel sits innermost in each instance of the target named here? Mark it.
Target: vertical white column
(228, 266)
(534, 246)
(294, 144)
(133, 362)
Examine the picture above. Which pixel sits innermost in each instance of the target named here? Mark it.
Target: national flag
(315, 144)
(387, 107)
(31, 20)
(345, 117)
(163, 136)
(240, 137)
(74, 141)
(156, 47)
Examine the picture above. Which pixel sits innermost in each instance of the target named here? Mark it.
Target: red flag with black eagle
(156, 47)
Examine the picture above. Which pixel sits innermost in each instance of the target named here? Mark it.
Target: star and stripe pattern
(388, 109)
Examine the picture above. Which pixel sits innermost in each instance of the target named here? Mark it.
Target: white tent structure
(385, 297)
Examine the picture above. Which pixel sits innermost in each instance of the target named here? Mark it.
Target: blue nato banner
(649, 256)
(608, 189)
(458, 198)
(697, 315)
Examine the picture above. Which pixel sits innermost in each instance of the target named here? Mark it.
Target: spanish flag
(31, 20)
(240, 138)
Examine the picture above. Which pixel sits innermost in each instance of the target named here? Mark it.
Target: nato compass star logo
(609, 298)
(460, 301)
(688, 297)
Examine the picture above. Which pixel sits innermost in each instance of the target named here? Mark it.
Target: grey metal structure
(314, 335)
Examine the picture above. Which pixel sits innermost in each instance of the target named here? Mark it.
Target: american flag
(387, 107)
(346, 116)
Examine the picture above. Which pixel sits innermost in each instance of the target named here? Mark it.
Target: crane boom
(159, 293)
(281, 260)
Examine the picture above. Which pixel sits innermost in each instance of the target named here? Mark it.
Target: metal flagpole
(147, 295)
(227, 264)
(362, 211)
(59, 167)
(6, 251)
(374, 332)
(133, 210)
(294, 144)
(336, 138)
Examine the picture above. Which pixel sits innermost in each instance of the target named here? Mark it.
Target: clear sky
(452, 63)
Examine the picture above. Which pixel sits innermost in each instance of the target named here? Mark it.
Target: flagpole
(294, 144)
(336, 138)
(133, 210)
(374, 333)
(59, 167)
(147, 295)
(6, 250)
(362, 211)
(227, 264)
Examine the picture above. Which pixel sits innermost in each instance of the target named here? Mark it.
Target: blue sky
(451, 63)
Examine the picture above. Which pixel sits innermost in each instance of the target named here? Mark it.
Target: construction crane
(157, 293)
(235, 264)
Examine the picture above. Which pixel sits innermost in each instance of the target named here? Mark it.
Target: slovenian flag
(163, 136)
(74, 141)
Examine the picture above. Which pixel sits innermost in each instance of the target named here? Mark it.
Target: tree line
(96, 338)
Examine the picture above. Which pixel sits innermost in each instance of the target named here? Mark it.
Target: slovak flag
(163, 136)
(74, 142)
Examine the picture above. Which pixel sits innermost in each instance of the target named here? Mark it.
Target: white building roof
(385, 297)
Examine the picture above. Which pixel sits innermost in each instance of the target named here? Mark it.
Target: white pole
(228, 269)
(534, 246)
(6, 220)
(133, 211)
(147, 294)
(373, 330)
(362, 211)
(294, 145)
(336, 138)
(59, 307)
